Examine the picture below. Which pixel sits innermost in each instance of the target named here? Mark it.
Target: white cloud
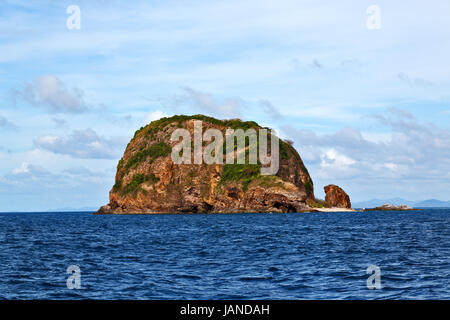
(154, 115)
(48, 140)
(82, 144)
(333, 159)
(391, 166)
(206, 103)
(411, 150)
(24, 168)
(52, 94)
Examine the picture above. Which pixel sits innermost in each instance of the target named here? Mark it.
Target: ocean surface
(219, 256)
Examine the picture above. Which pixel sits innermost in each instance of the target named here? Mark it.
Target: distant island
(390, 207)
(431, 203)
(149, 181)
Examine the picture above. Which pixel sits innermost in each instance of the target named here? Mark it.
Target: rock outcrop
(148, 181)
(336, 197)
(391, 207)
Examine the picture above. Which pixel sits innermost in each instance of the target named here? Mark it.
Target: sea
(347, 255)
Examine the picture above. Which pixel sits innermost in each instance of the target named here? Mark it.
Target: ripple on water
(241, 256)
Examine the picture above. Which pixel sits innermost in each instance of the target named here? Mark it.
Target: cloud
(87, 175)
(415, 150)
(271, 110)
(52, 94)
(107, 113)
(27, 172)
(59, 122)
(400, 113)
(117, 120)
(333, 159)
(83, 144)
(414, 81)
(81, 171)
(24, 168)
(154, 115)
(205, 103)
(6, 124)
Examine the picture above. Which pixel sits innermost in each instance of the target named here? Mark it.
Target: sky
(361, 87)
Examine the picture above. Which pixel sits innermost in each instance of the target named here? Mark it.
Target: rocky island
(149, 181)
(390, 207)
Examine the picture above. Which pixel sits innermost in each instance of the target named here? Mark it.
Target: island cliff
(148, 181)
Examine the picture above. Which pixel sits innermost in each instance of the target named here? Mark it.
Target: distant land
(69, 209)
(65, 209)
(399, 201)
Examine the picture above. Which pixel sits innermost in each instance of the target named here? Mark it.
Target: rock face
(148, 181)
(337, 197)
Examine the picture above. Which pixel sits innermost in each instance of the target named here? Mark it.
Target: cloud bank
(82, 144)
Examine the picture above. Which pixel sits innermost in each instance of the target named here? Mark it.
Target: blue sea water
(219, 256)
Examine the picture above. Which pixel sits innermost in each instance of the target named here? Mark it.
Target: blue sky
(368, 109)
